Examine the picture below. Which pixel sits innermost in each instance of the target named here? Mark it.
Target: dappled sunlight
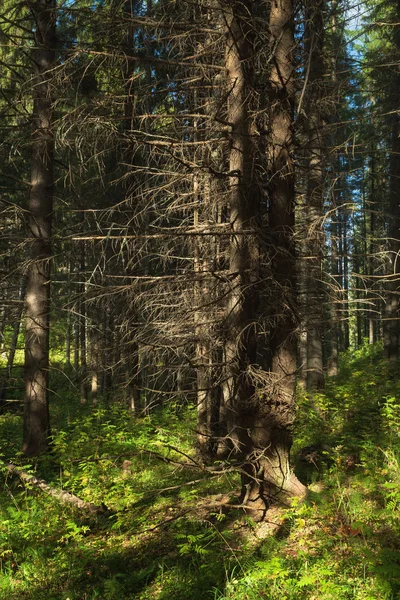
(171, 531)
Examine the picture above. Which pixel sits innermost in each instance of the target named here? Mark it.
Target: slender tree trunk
(3, 321)
(391, 320)
(335, 239)
(371, 252)
(301, 228)
(345, 286)
(14, 342)
(314, 36)
(333, 361)
(133, 367)
(68, 341)
(94, 361)
(36, 430)
(76, 345)
(301, 220)
(205, 437)
(83, 326)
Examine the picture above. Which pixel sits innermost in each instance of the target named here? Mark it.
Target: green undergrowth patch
(164, 533)
(344, 542)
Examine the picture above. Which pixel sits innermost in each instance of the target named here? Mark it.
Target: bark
(36, 429)
(269, 473)
(239, 346)
(83, 318)
(13, 345)
(333, 362)
(68, 341)
(76, 345)
(345, 278)
(207, 406)
(61, 495)
(282, 193)
(133, 372)
(302, 270)
(203, 356)
(391, 319)
(3, 321)
(94, 361)
(258, 424)
(314, 36)
(371, 251)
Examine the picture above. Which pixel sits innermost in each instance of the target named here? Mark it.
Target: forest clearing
(199, 299)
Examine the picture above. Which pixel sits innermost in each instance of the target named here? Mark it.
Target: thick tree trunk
(239, 345)
(258, 424)
(36, 429)
(280, 410)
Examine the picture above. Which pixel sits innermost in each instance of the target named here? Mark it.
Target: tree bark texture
(391, 317)
(239, 344)
(314, 36)
(269, 473)
(13, 345)
(206, 419)
(36, 428)
(258, 421)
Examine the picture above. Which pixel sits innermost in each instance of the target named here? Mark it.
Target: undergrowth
(164, 533)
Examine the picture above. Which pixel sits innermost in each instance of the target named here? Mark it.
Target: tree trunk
(333, 362)
(371, 252)
(83, 317)
(314, 36)
(258, 423)
(345, 279)
(203, 351)
(68, 341)
(14, 343)
(239, 345)
(273, 432)
(36, 430)
(391, 320)
(3, 321)
(76, 344)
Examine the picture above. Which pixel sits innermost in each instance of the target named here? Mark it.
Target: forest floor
(168, 534)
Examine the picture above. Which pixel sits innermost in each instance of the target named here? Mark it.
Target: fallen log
(60, 494)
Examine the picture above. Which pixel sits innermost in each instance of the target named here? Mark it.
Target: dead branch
(61, 495)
